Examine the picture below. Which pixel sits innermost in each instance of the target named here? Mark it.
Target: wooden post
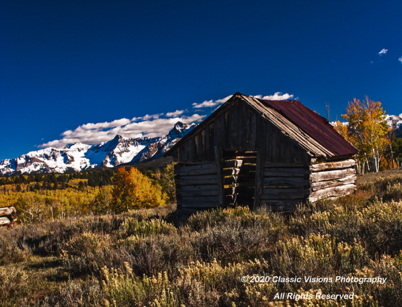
(218, 158)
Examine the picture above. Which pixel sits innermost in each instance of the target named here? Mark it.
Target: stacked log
(8, 216)
(284, 185)
(197, 187)
(239, 179)
(332, 179)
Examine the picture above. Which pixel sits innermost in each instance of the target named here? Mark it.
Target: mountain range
(120, 150)
(78, 157)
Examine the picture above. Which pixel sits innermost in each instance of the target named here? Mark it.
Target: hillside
(147, 258)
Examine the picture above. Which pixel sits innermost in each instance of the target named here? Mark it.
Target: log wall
(197, 187)
(332, 179)
(284, 185)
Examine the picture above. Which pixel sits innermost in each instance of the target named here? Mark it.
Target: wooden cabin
(261, 153)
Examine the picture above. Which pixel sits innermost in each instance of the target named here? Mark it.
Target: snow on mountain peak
(79, 156)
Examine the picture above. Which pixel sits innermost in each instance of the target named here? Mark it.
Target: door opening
(239, 177)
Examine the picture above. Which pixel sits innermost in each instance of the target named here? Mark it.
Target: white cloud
(400, 59)
(383, 51)
(276, 96)
(115, 123)
(175, 113)
(148, 126)
(154, 125)
(210, 103)
(147, 117)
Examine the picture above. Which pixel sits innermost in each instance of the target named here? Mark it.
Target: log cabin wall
(197, 187)
(284, 185)
(332, 179)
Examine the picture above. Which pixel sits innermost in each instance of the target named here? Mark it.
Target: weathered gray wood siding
(284, 185)
(332, 179)
(197, 187)
(240, 128)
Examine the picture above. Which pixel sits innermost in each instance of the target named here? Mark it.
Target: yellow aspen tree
(367, 131)
(133, 190)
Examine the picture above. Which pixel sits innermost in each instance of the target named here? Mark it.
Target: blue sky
(83, 70)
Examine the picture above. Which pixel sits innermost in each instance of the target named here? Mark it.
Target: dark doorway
(239, 177)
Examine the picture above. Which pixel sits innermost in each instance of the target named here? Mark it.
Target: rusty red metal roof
(313, 124)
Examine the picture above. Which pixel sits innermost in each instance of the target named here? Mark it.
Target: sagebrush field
(148, 258)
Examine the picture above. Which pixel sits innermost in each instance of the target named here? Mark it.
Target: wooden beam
(331, 175)
(285, 172)
(230, 171)
(315, 186)
(200, 169)
(332, 192)
(333, 165)
(199, 199)
(209, 192)
(232, 163)
(4, 221)
(197, 180)
(286, 181)
(271, 194)
(196, 188)
(7, 211)
(283, 164)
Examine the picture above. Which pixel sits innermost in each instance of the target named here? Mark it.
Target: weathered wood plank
(189, 163)
(284, 193)
(285, 172)
(230, 171)
(4, 221)
(196, 180)
(283, 164)
(286, 181)
(210, 192)
(332, 192)
(315, 186)
(199, 199)
(195, 188)
(200, 169)
(232, 163)
(7, 211)
(332, 165)
(331, 175)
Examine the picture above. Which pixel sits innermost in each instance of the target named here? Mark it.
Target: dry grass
(146, 258)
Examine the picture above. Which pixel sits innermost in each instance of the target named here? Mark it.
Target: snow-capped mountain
(395, 123)
(78, 156)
